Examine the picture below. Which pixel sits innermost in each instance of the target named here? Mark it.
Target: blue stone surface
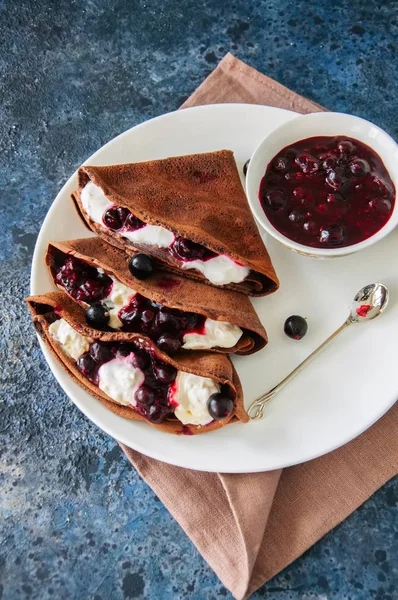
(77, 521)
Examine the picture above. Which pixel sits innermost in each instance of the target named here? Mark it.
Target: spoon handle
(256, 410)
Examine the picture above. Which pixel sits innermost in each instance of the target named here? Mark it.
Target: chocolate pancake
(172, 291)
(199, 198)
(53, 306)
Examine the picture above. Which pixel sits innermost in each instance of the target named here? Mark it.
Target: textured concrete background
(77, 522)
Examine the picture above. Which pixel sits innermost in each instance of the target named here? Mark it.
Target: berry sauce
(152, 396)
(82, 281)
(327, 192)
(120, 219)
(165, 326)
(186, 250)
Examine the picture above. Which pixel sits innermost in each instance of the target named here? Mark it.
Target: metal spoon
(368, 304)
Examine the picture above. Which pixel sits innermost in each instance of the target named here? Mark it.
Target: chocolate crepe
(198, 197)
(172, 291)
(47, 307)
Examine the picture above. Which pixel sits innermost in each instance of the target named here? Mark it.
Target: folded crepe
(190, 213)
(132, 377)
(192, 314)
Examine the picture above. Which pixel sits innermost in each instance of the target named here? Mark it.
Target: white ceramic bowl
(321, 124)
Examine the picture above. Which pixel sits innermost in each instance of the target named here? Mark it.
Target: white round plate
(344, 391)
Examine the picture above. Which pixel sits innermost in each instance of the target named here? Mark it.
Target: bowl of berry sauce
(325, 184)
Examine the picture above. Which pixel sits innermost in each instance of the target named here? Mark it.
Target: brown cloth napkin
(249, 527)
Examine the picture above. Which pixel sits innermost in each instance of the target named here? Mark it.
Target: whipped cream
(217, 334)
(190, 393)
(119, 296)
(153, 235)
(219, 270)
(73, 343)
(94, 202)
(120, 380)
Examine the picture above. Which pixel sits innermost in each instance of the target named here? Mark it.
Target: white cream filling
(120, 380)
(119, 296)
(219, 270)
(153, 235)
(94, 202)
(73, 343)
(191, 393)
(217, 334)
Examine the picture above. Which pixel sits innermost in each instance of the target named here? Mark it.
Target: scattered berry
(141, 266)
(220, 406)
(295, 327)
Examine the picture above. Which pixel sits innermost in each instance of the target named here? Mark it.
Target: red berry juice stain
(363, 310)
(169, 283)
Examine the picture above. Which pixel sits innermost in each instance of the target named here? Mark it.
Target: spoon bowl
(369, 302)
